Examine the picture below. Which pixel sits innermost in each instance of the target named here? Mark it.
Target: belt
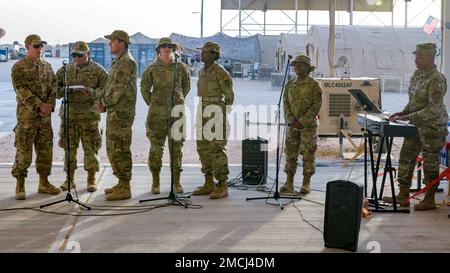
(209, 99)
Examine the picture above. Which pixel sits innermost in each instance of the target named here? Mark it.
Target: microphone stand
(276, 194)
(172, 199)
(66, 103)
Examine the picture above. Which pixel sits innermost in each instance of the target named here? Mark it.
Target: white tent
(267, 46)
(382, 52)
(289, 44)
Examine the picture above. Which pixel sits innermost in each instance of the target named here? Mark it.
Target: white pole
(264, 30)
(296, 16)
(406, 12)
(221, 20)
(201, 21)
(445, 47)
(351, 12)
(392, 15)
(240, 22)
(307, 20)
(331, 40)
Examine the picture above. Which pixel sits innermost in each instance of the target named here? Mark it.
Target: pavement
(231, 225)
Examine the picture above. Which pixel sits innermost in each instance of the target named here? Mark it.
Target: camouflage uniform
(119, 98)
(84, 117)
(426, 110)
(428, 113)
(34, 84)
(215, 89)
(302, 101)
(156, 89)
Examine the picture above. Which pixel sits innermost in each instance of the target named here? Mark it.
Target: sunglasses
(165, 46)
(77, 55)
(38, 46)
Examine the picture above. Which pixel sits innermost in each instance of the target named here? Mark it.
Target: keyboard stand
(376, 202)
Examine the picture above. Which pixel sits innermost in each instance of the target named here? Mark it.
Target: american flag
(430, 25)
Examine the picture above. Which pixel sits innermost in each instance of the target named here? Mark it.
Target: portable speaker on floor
(254, 161)
(343, 207)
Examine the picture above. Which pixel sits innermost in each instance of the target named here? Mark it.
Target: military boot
(46, 187)
(91, 183)
(155, 182)
(122, 192)
(221, 190)
(20, 189)
(428, 201)
(288, 187)
(113, 188)
(207, 188)
(65, 186)
(306, 184)
(176, 182)
(401, 198)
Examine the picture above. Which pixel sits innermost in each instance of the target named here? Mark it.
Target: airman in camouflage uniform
(156, 88)
(302, 102)
(35, 85)
(119, 101)
(425, 110)
(215, 89)
(84, 119)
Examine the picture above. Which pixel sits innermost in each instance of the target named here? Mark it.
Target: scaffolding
(251, 15)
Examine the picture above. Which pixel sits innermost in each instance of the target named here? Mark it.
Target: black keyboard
(380, 125)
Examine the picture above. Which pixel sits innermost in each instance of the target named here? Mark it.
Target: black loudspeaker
(254, 161)
(343, 208)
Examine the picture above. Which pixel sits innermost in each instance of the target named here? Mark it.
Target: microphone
(289, 56)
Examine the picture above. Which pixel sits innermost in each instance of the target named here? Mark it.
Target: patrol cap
(303, 59)
(80, 47)
(166, 41)
(425, 49)
(34, 39)
(119, 35)
(211, 46)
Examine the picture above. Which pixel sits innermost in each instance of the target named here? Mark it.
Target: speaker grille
(254, 161)
(339, 104)
(343, 205)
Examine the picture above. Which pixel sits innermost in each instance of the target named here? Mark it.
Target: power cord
(304, 220)
(238, 183)
(134, 211)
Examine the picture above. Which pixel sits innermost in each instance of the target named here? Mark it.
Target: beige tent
(380, 52)
(289, 44)
(267, 46)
